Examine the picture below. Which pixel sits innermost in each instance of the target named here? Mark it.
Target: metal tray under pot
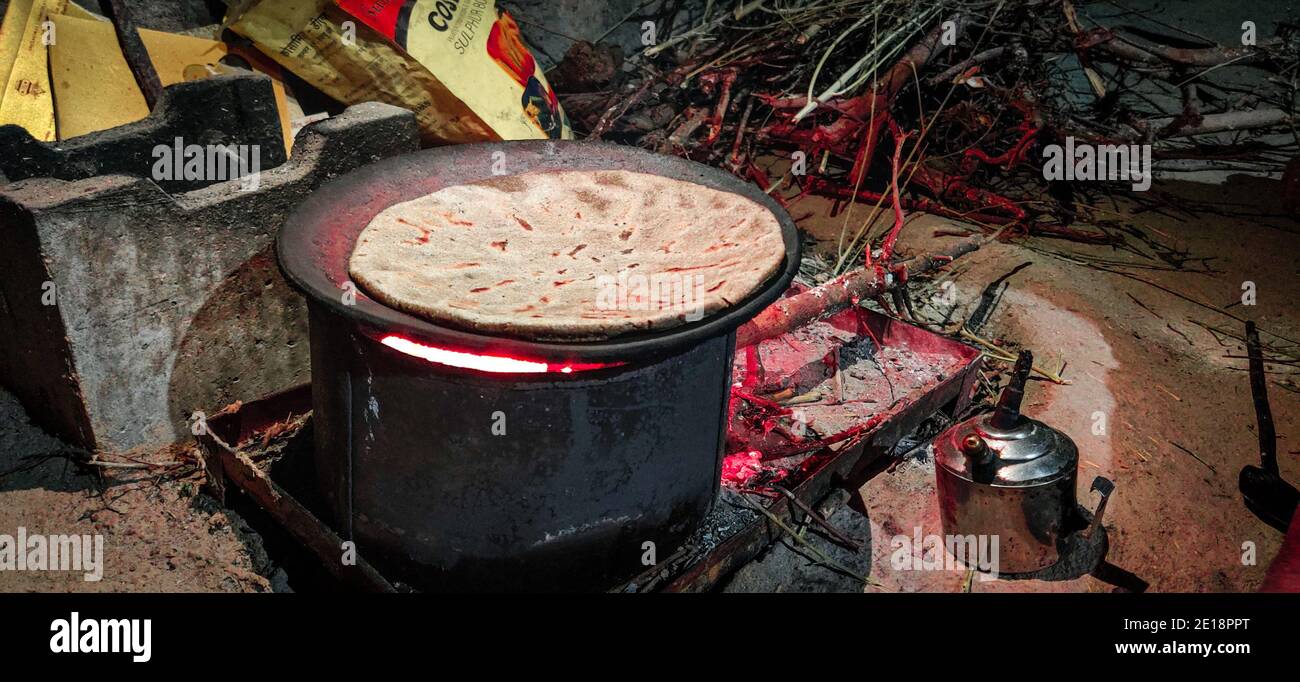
(472, 461)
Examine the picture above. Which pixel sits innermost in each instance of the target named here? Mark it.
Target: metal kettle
(1003, 475)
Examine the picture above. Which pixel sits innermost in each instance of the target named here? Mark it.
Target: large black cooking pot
(465, 475)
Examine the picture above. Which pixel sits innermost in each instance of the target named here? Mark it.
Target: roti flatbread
(568, 255)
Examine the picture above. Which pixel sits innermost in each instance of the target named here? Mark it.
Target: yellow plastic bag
(460, 65)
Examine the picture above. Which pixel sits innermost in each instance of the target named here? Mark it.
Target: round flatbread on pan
(568, 255)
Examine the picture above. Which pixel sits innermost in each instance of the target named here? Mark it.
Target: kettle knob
(973, 446)
(981, 462)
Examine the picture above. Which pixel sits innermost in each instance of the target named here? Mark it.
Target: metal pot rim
(316, 241)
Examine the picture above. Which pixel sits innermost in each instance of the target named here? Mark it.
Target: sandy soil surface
(1137, 357)
(158, 534)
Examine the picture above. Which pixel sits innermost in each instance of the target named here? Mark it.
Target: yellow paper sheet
(28, 101)
(11, 34)
(95, 90)
(93, 85)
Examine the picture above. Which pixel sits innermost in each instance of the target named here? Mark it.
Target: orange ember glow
(497, 364)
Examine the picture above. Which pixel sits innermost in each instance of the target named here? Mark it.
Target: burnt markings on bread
(647, 234)
(591, 198)
(610, 179)
(510, 184)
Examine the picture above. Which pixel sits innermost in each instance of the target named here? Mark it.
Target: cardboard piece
(28, 101)
(95, 90)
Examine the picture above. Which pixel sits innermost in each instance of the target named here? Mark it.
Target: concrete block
(229, 110)
(124, 308)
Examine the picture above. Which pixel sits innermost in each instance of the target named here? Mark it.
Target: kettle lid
(1004, 447)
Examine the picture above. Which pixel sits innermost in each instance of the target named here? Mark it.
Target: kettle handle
(1104, 486)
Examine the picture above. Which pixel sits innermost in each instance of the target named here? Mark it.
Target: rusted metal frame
(847, 469)
(226, 465)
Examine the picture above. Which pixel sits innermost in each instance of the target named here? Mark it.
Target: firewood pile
(949, 108)
(939, 107)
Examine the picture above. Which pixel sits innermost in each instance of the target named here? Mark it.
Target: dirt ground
(159, 535)
(1145, 378)
(1133, 354)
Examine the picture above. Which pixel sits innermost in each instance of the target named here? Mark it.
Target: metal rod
(1259, 392)
(137, 57)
